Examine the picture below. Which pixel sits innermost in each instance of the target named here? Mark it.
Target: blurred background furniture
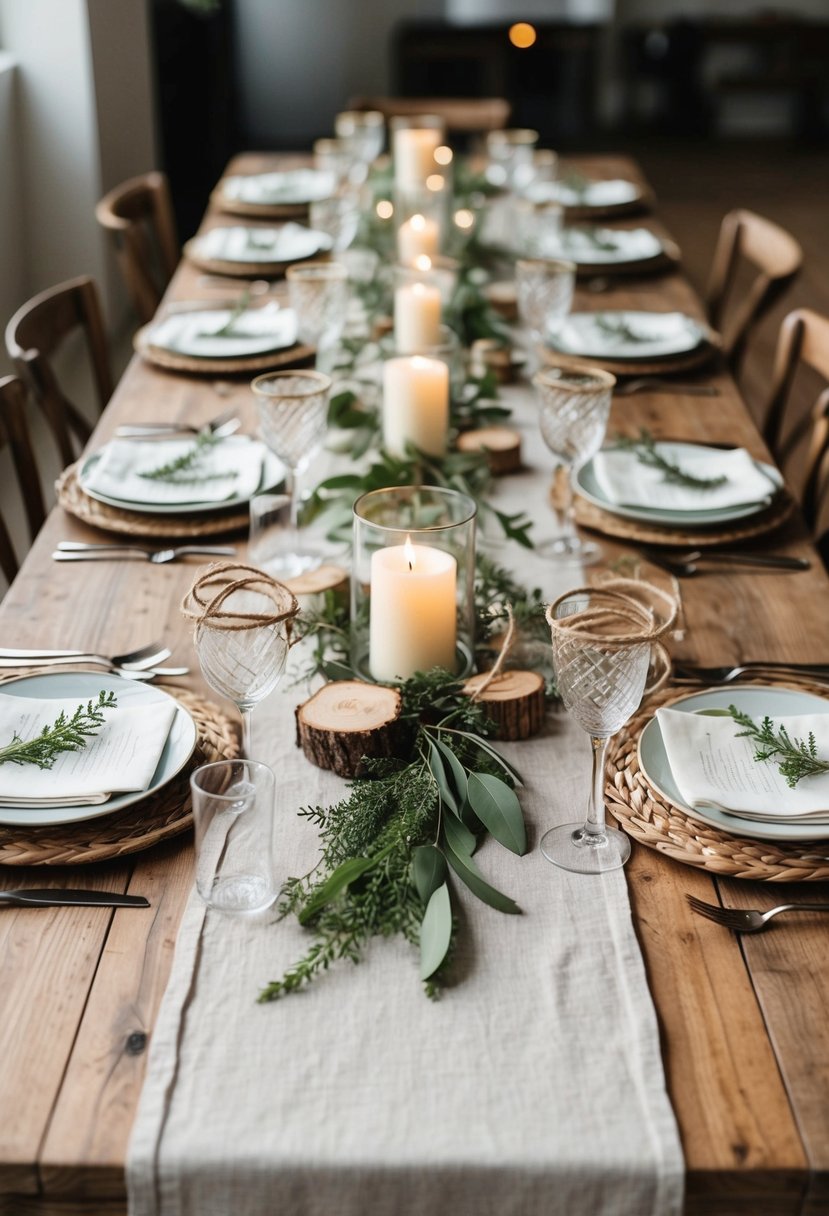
(14, 434)
(139, 215)
(461, 114)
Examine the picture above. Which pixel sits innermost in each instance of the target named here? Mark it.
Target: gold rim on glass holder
(220, 580)
(576, 379)
(316, 382)
(560, 264)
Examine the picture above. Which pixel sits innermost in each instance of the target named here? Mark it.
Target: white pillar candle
(414, 156)
(415, 405)
(416, 317)
(417, 237)
(412, 621)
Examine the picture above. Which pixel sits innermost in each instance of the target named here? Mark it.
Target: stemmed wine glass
(602, 645)
(574, 409)
(293, 418)
(242, 634)
(544, 295)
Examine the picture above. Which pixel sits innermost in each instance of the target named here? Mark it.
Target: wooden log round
(317, 582)
(501, 444)
(346, 721)
(513, 700)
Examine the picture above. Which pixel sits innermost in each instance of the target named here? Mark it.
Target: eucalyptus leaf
(458, 836)
(344, 875)
(457, 770)
(471, 876)
(439, 773)
(428, 870)
(435, 931)
(713, 713)
(499, 810)
(487, 747)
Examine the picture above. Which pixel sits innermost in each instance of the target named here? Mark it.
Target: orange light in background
(443, 155)
(522, 35)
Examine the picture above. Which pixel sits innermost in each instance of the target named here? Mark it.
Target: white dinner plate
(614, 192)
(609, 246)
(602, 334)
(63, 685)
(236, 243)
(585, 484)
(292, 187)
(756, 701)
(258, 331)
(273, 471)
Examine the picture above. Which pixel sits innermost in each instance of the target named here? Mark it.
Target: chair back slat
(14, 433)
(139, 215)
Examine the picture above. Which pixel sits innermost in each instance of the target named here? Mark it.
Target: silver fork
(220, 427)
(144, 656)
(79, 551)
(96, 660)
(750, 921)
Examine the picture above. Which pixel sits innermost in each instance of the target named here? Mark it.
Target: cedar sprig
(645, 450)
(797, 758)
(177, 470)
(66, 734)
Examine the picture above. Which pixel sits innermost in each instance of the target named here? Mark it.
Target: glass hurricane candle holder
(415, 139)
(510, 154)
(412, 582)
(420, 225)
(446, 349)
(440, 272)
(364, 131)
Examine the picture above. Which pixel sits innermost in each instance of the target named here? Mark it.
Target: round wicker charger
(653, 821)
(139, 826)
(298, 355)
(245, 270)
(262, 211)
(666, 366)
(588, 515)
(134, 523)
(643, 202)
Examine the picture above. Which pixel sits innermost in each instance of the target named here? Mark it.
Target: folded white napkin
(122, 756)
(290, 186)
(594, 194)
(628, 334)
(233, 466)
(709, 763)
(288, 243)
(255, 331)
(624, 480)
(609, 245)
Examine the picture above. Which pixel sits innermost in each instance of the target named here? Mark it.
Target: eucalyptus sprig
(184, 469)
(797, 758)
(66, 734)
(645, 450)
(228, 330)
(617, 327)
(392, 845)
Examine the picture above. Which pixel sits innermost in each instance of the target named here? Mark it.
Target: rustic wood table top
(743, 1021)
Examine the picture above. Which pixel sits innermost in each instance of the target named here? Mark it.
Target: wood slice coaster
(137, 827)
(135, 523)
(691, 360)
(298, 355)
(261, 211)
(590, 516)
(346, 721)
(653, 821)
(514, 700)
(246, 270)
(501, 444)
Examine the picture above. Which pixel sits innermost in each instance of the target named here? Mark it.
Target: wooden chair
(776, 256)
(139, 215)
(468, 115)
(804, 339)
(14, 434)
(35, 333)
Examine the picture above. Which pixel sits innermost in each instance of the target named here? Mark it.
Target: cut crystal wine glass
(544, 294)
(293, 418)
(574, 407)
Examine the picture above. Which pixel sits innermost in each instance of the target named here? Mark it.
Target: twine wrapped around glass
(412, 582)
(604, 640)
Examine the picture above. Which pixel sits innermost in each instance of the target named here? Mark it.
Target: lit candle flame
(409, 552)
(418, 222)
(423, 262)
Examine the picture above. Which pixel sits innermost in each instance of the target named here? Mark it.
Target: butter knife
(60, 897)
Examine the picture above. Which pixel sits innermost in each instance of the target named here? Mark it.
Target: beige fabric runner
(534, 1087)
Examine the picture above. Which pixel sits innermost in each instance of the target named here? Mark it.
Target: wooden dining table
(743, 1020)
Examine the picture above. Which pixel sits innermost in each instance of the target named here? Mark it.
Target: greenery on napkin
(645, 450)
(186, 470)
(797, 758)
(393, 846)
(66, 734)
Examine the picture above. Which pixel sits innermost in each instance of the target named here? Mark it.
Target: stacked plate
(82, 687)
(608, 248)
(761, 815)
(589, 197)
(617, 482)
(242, 250)
(219, 340)
(274, 193)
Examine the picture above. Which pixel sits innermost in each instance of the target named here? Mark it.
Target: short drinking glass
(573, 411)
(233, 804)
(318, 294)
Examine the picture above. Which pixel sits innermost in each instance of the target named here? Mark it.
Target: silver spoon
(78, 551)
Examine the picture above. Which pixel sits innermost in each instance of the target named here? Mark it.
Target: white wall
(11, 189)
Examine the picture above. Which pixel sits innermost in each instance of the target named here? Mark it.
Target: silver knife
(59, 897)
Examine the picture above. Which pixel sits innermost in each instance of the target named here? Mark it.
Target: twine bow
(204, 602)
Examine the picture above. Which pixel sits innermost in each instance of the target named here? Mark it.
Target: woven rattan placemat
(298, 355)
(693, 360)
(649, 818)
(133, 523)
(588, 515)
(262, 211)
(138, 826)
(244, 270)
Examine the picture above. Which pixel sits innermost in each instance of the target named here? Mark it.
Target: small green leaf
(487, 747)
(439, 773)
(499, 810)
(345, 874)
(713, 713)
(457, 770)
(458, 836)
(471, 876)
(435, 931)
(428, 870)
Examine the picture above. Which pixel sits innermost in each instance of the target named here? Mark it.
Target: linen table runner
(533, 1086)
